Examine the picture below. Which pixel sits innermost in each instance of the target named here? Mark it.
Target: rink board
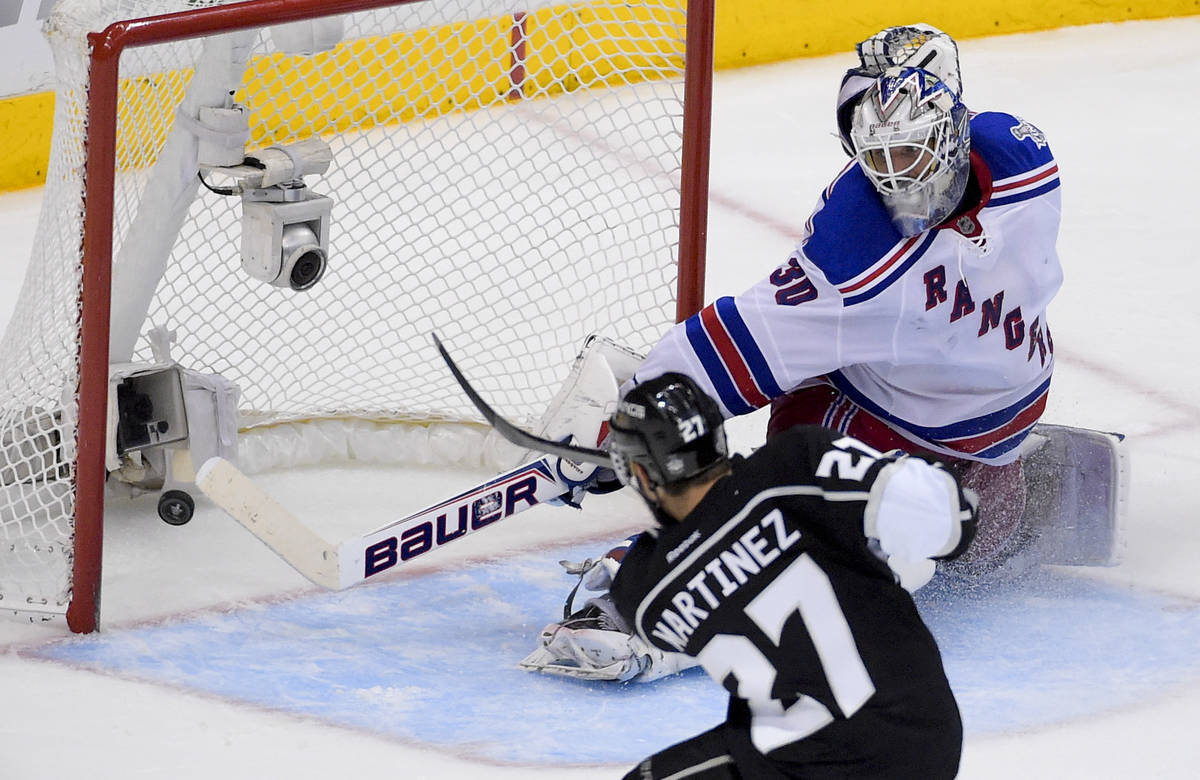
(432, 660)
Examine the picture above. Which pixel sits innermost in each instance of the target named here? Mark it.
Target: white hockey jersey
(943, 335)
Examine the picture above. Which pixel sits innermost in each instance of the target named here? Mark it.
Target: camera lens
(307, 270)
(303, 258)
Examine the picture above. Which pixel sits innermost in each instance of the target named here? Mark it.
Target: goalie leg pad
(1075, 486)
(1078, 486)
(589, 645)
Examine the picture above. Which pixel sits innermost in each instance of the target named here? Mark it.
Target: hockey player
(912, 315)
(782, 575)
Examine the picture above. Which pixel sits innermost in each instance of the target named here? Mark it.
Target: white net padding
(510, 180)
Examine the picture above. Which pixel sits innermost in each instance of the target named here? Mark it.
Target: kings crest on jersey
(921, 331)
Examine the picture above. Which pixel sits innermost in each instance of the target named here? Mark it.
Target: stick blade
(255, 509)
(514, 434)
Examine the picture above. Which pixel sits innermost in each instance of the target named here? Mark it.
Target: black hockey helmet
(670, 427)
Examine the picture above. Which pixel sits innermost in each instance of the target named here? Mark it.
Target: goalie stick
(357, 559)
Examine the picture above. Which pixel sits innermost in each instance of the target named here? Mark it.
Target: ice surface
(218, 660)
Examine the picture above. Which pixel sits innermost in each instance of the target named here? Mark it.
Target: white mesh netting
(508, 180)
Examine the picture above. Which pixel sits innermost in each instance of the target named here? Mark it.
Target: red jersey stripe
(731, 357)
(891, 261)
(1028, 416)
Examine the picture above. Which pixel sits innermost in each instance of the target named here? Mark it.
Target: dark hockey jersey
(779, 583)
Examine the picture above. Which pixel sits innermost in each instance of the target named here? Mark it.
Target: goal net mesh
(507, 179)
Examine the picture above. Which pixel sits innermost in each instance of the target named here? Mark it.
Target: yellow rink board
(568, 47)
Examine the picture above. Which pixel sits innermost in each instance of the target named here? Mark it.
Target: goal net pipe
(100, 142)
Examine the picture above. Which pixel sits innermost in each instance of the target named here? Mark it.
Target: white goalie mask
(912, 139)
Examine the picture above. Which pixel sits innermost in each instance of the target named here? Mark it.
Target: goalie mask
(912, 139)
(914, 45)
(669, 427)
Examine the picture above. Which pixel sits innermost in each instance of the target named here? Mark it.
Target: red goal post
(512, 179)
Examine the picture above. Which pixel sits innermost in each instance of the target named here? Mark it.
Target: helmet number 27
(691, 428)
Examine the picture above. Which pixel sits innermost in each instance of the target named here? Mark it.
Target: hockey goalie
(912, 316)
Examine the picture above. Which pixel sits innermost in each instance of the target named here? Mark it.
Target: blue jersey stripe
(1007, 445)
(713, 366)
(945, 433)
(757, 363)
(896, 273)
(1020, 196)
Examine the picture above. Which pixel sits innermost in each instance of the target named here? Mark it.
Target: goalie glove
(594, 643)
(913, 45)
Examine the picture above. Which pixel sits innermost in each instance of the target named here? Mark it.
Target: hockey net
(513, 180)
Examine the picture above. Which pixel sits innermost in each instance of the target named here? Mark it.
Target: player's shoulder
(849, 228)
(793, 451)
(1017, 154)
(851, 240)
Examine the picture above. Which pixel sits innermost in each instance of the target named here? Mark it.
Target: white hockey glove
(581, 479)
(918, 515)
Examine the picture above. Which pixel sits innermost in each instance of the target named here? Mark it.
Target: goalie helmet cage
(513, 180)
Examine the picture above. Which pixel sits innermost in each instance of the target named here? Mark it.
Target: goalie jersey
(942, 335)
(785, 582)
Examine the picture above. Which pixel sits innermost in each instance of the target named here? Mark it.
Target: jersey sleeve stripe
(1027, 194)
(740, 359)
(873, 273)
(731, 356)
(1027, 178)
(714, 368)
(747, 346)
(1030, 184)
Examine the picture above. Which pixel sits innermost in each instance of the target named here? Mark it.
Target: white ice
(1119, 104)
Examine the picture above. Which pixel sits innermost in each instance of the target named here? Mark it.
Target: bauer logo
(453, 521)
